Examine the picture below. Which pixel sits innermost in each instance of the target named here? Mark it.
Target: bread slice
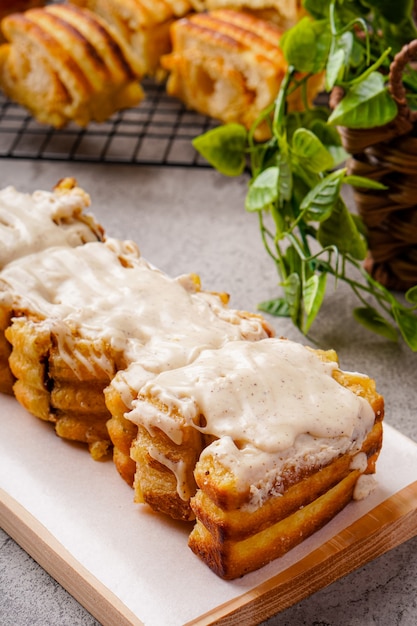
(32, 222)
(285, 13)
(64, 64)
(143, 24)
(217, 325)
(262, 442)
(77, 316)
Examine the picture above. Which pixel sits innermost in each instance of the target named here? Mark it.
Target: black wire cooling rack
(157, 132)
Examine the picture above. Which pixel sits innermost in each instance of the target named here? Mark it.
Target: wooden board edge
(385, 527)
(42, 546)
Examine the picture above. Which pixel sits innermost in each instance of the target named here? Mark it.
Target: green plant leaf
(362, 181)
(224, 147)
(263, 190)
(394, 12)
(372, 320)
(277, 307)
(340, 231)
(335, 66)
(359, 223)
(309, 150)
(313, 295)
(306, 45)
(407, 323)
(397, 35)
(330, 138)
(321, 200)
(339, 58)
(318, 8)
(411, 295)
(366, 105)
(292, 290)
(292, 261)
(339, 155)
(285, 179)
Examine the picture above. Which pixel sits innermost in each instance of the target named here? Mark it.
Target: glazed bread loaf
(143, 25)
(77, 316)
(226, 325)
(32, 222)
(65, 64)
(262, 442)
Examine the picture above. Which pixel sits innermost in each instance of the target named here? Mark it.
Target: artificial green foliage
(297, 176)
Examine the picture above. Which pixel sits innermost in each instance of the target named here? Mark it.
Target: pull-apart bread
(143, 24)
(66, 64)
(32, 222)
(285, 13)
(225, 64)
(197, 320)
(263, 442)
(79, 315)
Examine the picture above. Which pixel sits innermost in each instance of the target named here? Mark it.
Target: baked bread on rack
(66, 64)
(77, 316)
(225, 64)
(262, 442)
(228, 65)
(17, 6)
(143, 24)
(32, 222)
(285, 13)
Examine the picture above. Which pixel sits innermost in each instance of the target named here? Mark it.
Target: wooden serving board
(129, 566)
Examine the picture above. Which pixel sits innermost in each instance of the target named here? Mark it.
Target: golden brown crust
(233, 541)
(122, 431)
(155, 483)
(66, 64)
(143, 24)
(6, 377)
(85, 225)
(224, 522)
(232, 535)
(17, 6)
(228, 64)
(225, 64)
(51, 391)
(231, 559)
(285, 13)
(220, 485)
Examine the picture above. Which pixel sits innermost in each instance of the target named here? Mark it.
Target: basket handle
(395, 82)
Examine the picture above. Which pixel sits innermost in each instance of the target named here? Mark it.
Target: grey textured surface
(193, 220)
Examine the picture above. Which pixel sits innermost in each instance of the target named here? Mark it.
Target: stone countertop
(193, 220)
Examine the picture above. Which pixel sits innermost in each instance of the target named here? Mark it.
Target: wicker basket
(388, 154)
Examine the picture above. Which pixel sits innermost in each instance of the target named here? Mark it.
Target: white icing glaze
(178, 468)
(107, 293)
(364, 486)
(359, 462)
(32, 222)
(271, 405)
